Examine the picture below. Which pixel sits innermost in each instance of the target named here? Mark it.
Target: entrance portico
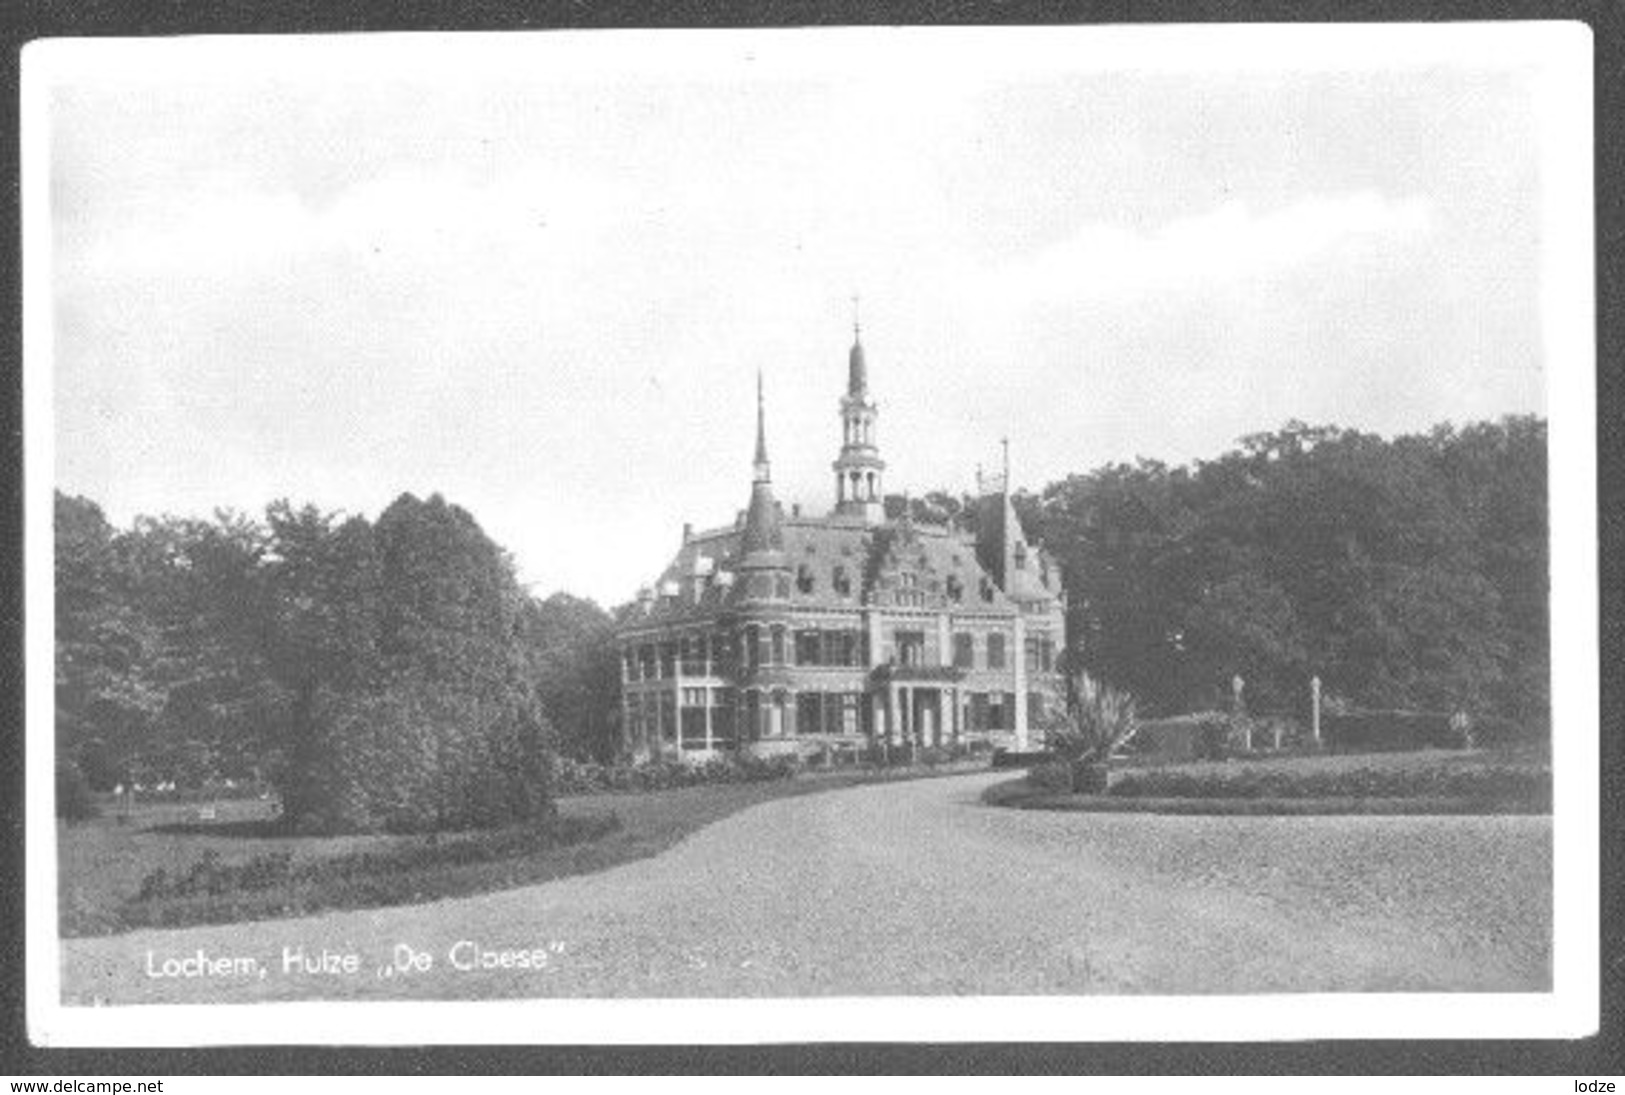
(918, 705)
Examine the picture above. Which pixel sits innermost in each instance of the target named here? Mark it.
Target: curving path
(918, 888)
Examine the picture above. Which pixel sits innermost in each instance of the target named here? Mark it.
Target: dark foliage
(1212, 736)
(1052, 776)
(570, 644)
(74, 801)
(275, 884)
(1493, 732)
(1405, 573)
(1391, 731)
(1010, 758)
(377, 674)
(573, 777)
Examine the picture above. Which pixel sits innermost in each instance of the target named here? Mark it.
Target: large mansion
(792, 632)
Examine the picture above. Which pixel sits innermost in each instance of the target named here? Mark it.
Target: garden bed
(1435, 782)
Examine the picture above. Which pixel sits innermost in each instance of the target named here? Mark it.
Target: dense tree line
(389, 674)
(1409, 573)
(393, 674)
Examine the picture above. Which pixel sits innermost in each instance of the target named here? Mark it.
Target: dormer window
(1021, 556)
(956, 589)
(804, 579)
(987, 589)
(842, 583)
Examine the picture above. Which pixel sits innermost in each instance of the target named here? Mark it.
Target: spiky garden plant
(1094, 720)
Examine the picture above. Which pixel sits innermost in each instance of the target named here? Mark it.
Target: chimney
(688, 531)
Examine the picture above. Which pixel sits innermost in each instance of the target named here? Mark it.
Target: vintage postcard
(883, 534)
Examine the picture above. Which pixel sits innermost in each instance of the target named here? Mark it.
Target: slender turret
(858, 468)
(761, 543)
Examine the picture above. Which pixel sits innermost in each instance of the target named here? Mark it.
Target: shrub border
(1013, 794)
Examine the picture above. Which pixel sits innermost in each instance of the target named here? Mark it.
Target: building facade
(784, 632)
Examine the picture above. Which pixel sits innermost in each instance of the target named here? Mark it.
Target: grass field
(103, 862)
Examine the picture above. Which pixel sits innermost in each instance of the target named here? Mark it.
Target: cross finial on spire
(857, 326)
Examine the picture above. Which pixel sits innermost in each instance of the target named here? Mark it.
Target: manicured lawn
(102, 863)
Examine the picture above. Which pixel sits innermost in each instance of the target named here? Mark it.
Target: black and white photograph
(825, 534)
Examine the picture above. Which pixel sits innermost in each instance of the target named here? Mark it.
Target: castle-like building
(786, 632)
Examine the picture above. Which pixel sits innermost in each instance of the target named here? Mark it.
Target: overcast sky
(538, 274)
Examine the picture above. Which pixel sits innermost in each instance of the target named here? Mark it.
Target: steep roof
(761, 541)
(1023, 570)
(818, 554)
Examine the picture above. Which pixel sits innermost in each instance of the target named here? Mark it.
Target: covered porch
(922, 706)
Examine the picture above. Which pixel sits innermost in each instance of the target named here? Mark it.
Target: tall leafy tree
(106, 697)
(1409, 572)
(447, 731)
(198, 583)
(570, 645)
(317, 631)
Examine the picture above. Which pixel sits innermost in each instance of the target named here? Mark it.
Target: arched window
(1021, 555)
(956, 589)
(987, 589)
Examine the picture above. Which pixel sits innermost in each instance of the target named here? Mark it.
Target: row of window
(806, 582)
(700, 655)
(715, 718)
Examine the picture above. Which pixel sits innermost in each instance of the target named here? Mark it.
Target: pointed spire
(764, 472)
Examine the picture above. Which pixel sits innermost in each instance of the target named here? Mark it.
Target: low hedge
(1495, 732)
(574, 777)
(1054, 776)
(1392, 731)
(1032, 758)
(1508, 780)
(1259, 807)
(274, 884)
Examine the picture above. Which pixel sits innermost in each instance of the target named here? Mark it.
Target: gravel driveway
(918, 888)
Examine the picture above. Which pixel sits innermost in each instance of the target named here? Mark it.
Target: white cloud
(1230, 242)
